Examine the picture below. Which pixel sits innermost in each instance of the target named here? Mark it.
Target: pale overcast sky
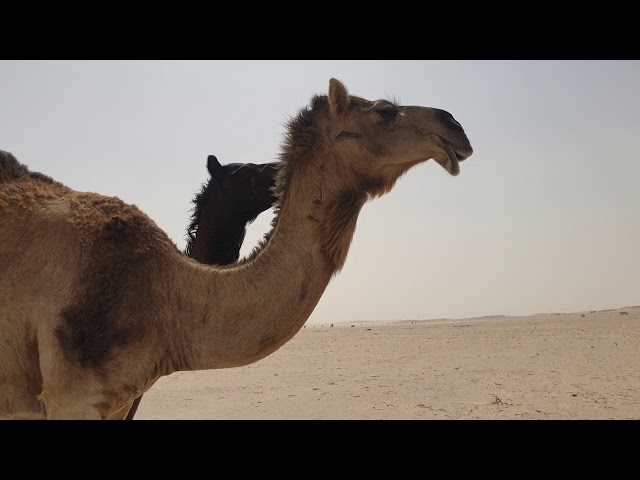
(544, 217)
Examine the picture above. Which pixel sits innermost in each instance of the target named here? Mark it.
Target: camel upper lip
(461, 153)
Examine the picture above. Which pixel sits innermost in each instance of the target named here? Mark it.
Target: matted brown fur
(106, 303)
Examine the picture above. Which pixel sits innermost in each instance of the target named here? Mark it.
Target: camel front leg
(134, 408)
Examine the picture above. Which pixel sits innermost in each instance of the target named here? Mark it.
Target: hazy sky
(544, 217)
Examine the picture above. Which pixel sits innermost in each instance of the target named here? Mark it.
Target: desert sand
(583, 365)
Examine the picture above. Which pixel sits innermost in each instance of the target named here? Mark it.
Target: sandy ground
(550, 366)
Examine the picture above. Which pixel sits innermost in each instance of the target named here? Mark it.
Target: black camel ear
(214, 167)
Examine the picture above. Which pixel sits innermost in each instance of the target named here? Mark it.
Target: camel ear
(213, 165)
(338, 96)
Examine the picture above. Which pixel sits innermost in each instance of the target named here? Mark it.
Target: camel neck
(238, 315)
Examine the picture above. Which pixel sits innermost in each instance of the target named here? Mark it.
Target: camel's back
(10, 168)
(31, 197)
(51, 235)
(56, 242)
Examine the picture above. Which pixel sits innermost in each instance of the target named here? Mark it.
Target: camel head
(244, 188)
(379, 140)
(234, 196)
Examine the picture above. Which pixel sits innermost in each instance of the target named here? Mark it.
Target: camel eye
(387, 114)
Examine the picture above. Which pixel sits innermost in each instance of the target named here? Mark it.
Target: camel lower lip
(450, 163)
(455, 166)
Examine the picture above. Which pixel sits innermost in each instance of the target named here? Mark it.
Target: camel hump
(11, 169)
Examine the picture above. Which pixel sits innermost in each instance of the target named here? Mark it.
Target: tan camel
(97, 303)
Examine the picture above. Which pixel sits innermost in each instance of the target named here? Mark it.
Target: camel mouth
(450, 163)
(451, 157)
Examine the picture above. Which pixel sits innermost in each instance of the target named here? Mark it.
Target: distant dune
(629, 309)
